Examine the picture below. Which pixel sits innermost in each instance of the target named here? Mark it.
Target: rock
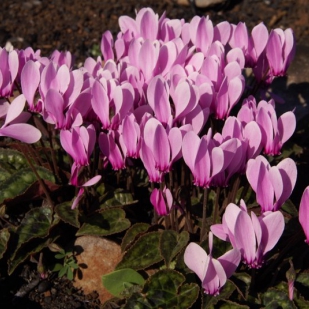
(100, 256)
(207, 3)
(201, 3)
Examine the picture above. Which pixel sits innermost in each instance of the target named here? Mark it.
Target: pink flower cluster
(150, 99)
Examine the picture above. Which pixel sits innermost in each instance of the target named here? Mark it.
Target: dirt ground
(77, 26)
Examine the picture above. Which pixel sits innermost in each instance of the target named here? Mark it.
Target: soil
(77, 26)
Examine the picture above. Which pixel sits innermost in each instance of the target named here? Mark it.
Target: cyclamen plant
(170, 99)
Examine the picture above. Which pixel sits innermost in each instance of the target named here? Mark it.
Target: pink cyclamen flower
(88, 183)
(272, 184)
(275, 131)
(212, 272)
(253, 236)
(162, 201)
(8, 71)
(14, 125)
(280, 51)
(304, 213)
(204, 159)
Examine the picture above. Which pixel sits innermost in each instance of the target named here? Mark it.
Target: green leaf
(57, 267)
(144, 253)
(70, 274)
(20, 181)
(243, 281)
(274, 297)
(227, 304)
(63, 271)
(4, 239)
(28, 249)
(59, 256)
(67, 214)
(132, 233)
(36, 223)
(107, 222)
(120, 198)
(303, 278)
(12, 159)
(4, 174)
(171, 243)
(301, 303)
(163, 290)
(118, 281)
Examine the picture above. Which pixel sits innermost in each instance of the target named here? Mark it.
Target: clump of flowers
(170, 101)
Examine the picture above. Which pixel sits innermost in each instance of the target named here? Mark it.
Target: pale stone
(207, 3)
(100, 256)
(201, 3)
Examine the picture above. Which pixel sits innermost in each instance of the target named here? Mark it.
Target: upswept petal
(15, 109)
(156, 139)
(204, 35)
(92, 181)
(196, 259)
(252, 133)
(185, 99)
(245, 237)
(30, 79)
(288, 172)
(230, 261)
(190, 146)
(158, 98)
(222, 32)
(175, 140)
(100, 103)
(286, 126)
(63, 79)
(274, 53)
(215, 277)
(127, 23)
(54, 107)
(304, 213)
(148, 23)
(265, 191)
(217, 160)
(21, 131)
(272, 228)
(260, 37)
(148, 56)
(107, 43)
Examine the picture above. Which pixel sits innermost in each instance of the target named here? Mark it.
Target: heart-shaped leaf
(144, 253)
(171, 243)
(67, 214)
(4, 238)
(20, 181)
(30, 248)
(132, 233)
(120, 280)
(107, 222)
(35, 224)
(12, 159)
(165, 290)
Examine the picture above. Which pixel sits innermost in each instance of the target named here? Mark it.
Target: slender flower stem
(155, 215)
(203, 230)
(216, 211)
(40, 180)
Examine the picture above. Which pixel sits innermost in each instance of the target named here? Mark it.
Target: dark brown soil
(77, 26)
